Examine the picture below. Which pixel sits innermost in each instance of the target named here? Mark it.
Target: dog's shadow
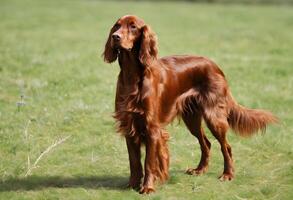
(41, 182)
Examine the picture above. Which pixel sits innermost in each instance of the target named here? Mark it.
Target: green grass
(50, 54)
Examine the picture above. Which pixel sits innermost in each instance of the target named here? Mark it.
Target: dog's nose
(116, 37)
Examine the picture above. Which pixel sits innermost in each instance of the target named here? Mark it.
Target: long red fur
(246, 122)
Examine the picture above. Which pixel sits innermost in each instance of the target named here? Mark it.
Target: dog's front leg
(156, 160)
(150, 164)
(136, 174)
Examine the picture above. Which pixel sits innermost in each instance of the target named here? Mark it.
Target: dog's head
(130, 31)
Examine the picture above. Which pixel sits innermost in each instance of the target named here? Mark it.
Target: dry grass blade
(50, 148)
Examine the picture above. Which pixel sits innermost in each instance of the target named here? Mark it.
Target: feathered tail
(246, 122)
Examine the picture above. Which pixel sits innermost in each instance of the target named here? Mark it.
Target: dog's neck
(131, 68)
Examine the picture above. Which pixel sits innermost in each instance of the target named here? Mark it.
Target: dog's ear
(110, 54)
(148, 47)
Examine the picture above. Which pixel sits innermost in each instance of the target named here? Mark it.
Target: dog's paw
(134, 183)
(226, 177)
(146, 190)
(198, 171)
(134, 186)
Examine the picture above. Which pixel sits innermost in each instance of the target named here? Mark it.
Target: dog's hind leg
(216, 121)
(193, 122)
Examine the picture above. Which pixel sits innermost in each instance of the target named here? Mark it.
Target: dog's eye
(116, 26)
(133, 27)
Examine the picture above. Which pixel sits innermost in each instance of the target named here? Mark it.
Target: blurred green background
(264, 2)
(54, 84)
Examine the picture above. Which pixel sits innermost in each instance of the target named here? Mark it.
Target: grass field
(54, 84)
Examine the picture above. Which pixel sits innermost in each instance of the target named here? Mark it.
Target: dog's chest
(130, 123)
(129, 112)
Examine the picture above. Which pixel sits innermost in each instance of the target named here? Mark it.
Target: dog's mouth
(115, 44)
(118, 46)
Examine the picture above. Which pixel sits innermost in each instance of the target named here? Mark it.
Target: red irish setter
(151, 92)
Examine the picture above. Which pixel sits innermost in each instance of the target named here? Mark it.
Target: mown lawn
(54, 84)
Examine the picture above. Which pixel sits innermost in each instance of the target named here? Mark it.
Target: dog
(152, 91)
